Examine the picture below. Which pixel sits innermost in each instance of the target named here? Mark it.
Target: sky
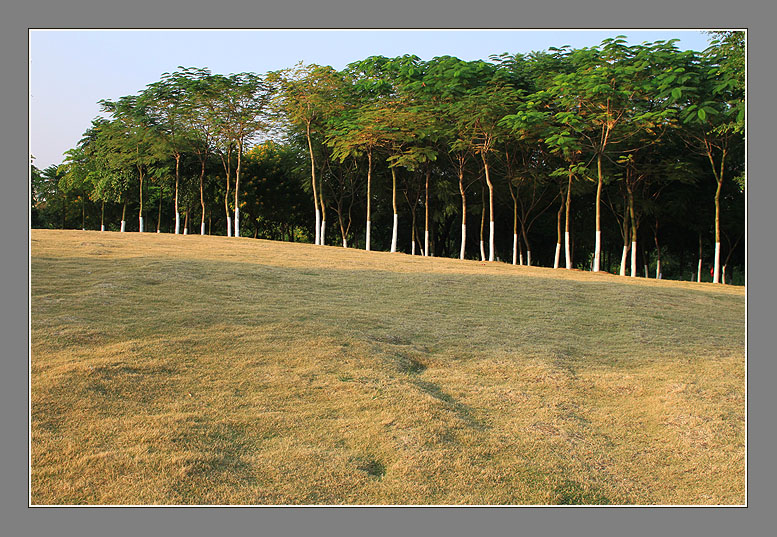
(71, 70)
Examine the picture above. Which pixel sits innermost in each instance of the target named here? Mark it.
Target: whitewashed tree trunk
(237, 221)
(394, 233)
(102, 227)
(177, 223)
(140, 222)
(229, 226)
(345, 243)
(723, 274)
(463, 240)
(318, 227)
(598, 246)
(202, 228)
(426, 242)
(624, 260)
(123, 223)
(185, 231)
(322, 238)
(412, 249)
(557, 256)
(647, 275)
(633, 259)
(369, 225)
(491, 240)
(716, 272)
(482, 251)
(528, 258)
(515, 250)
(658, 270)
(567, 252)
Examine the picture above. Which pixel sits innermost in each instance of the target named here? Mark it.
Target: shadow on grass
(461, 410)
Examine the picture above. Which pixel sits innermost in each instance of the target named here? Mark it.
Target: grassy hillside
(208, 370)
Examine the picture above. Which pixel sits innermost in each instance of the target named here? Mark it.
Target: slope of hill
(211, 370)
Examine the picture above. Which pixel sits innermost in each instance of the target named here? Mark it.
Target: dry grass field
(210, 370)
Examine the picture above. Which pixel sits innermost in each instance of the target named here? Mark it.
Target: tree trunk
(698, 273)
(322, 237)
(567, 246)
(482, 223)
(716, 272)
(237, 187)
(625, 237)
(719, 181)
(463, 211)
(490, 209)
(159, 213)
(426, 212)
(633, 221)
(394, 202)
(342, 229)
(731, 249)
(227, 169)
(558, 231)
(624, 260)
(186, 222)
(102, 217)
(525, 235)
(369, 191)
(140, 210)
(412, 233)
(317, 239)
(177, 179)
(658, 252)
(202, 196)
(515, 227)
(598, 247)
(123, 214)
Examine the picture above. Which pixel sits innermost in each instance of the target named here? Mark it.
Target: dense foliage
(597, 154)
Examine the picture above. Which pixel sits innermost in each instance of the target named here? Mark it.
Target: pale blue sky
(71, 70)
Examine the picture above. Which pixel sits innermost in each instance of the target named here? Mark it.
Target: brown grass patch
(206, 370)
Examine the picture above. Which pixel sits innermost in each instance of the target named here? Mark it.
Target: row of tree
(629, 144)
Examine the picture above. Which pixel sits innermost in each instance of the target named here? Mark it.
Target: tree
(36, 181)
(236, 110)
(130, 141)
(78, 177)
(245, 96)
(273, 193)
(606, 92)
(712, 109)
(49, 200)
(480, 112)
(445, 81)
(307, 97)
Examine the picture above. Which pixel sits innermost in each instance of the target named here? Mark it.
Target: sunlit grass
(208, 370)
